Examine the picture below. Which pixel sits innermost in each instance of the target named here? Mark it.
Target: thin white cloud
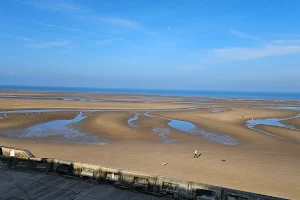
(66, 28)
(287, 42)
(65, 7)
(243, 35)
(190, 67)
(72, 8)
(49, 45)
(57, 5)
(104, 42)
(22, 38)
(286, 35)
(81, 31)
(120, 22)
(25, 39)
(242, 54)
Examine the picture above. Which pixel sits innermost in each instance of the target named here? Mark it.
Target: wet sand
(232, 122)
(258, 163)
(23, 120)
(18, 104)
(292, 135)
(113, 126)
(293, 122)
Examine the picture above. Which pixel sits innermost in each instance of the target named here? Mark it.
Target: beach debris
(164, 164)
(223, 160)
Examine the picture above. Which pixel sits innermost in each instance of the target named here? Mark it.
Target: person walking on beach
(196, 154)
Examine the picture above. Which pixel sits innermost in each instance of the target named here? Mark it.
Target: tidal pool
(251, 124)
(56, 131)
(284, 107)
(190, 128)
(277, 122)
(182, 125)
(68, 99)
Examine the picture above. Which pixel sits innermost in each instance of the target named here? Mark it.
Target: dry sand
(271, 170)
(260, 163)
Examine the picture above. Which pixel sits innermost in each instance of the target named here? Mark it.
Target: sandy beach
(237, 152)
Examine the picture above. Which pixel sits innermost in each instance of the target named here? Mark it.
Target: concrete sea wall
(157, 185)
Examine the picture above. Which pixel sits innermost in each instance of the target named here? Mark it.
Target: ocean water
(188, 93)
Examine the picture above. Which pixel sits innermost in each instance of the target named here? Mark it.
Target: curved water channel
(187, 128)
(277, 122)
(131, 121)
(54, 131)
(161, 132)
(63, 131)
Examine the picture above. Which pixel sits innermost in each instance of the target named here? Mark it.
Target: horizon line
(149, 89)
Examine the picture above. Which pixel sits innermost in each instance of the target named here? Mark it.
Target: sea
(284, 96)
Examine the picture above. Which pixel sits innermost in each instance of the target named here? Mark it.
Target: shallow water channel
(277, 122)
(63, 131)
(185, 127)
(54, 131)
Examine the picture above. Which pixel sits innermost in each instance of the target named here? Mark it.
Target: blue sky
(203, 45)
